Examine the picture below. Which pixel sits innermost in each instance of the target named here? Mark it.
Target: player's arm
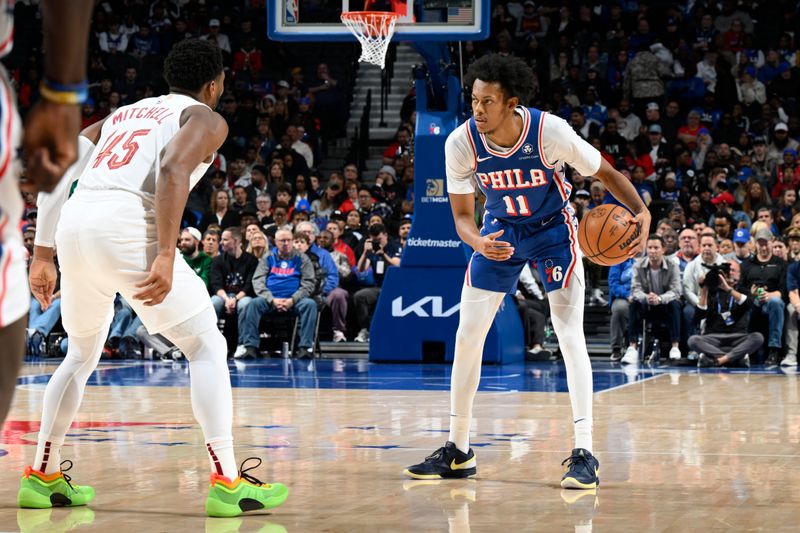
(620, 187)
(561, 143)
(459, 164)
(42, 272)
(202, 133)
(463, 206)
(53, 124)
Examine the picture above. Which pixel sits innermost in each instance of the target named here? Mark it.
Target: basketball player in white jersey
(52, 127)
(516, 155)
(117, 233)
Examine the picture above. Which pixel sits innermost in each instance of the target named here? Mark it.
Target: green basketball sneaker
(40, 491)
(228, 498)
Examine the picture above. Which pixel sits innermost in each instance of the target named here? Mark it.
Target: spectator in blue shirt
(334, 296)
(619, 292)
(283, 283)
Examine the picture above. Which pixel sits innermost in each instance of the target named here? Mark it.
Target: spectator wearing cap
(529, 22)
(379, 254)
(301, 212)
(215, 36)
(764, 279)
(582, 197)
(741, 245)
(785, 86)
(780, 142)
(659, 150)
(190, 246)
(725, 203)
(386, 179)
(669, 191)
(598, 194)
(652, 114)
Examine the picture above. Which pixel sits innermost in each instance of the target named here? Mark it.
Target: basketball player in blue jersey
(516, 156)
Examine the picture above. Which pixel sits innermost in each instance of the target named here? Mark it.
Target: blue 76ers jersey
(520, 185)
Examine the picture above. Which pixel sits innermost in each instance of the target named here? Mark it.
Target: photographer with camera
(695, 271)
(764, 279)
(726, 310)
(379, 254)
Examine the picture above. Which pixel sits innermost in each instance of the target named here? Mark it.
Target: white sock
(212, 400)
(48, 456)
(478, 308)
(63, 396)
(459, 431)
(566, 311)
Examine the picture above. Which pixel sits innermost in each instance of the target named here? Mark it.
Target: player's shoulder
(459, 139)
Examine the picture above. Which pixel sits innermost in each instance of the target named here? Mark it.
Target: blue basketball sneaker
(582, 470)
(445, 463)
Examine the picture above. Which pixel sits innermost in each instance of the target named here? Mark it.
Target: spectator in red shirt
(351, 202)
(687, 133)
(339, 245)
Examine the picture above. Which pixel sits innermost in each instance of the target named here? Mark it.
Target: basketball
(605, 234)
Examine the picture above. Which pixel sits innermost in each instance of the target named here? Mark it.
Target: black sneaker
(447, 462)
(705, 361)
(582, 470)
(616, 355)
(772, 358)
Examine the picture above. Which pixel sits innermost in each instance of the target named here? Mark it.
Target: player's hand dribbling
(637, 246)
(158, 283)
(51, 132)
(42, 277)
(491, 248)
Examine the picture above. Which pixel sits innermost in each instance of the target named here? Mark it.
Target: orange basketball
(605, 233)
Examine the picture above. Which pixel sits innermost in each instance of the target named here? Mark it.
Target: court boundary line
(637, 382)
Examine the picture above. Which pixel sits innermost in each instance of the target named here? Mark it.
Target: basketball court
(679, 450)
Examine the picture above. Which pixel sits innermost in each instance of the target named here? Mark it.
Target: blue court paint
(360, 374)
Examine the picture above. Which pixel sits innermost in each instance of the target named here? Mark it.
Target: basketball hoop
(374, 30)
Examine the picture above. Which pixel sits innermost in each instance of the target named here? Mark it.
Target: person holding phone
(379, 254)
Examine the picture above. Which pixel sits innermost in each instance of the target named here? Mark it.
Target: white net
(374, 31)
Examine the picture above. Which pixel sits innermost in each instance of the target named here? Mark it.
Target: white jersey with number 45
(128, 154)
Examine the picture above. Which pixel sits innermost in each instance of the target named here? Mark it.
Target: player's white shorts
(106, 243)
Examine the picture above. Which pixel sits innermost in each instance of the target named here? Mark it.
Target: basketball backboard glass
(419, 20)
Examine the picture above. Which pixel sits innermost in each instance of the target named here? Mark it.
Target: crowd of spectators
(266, 230)
(696, 102)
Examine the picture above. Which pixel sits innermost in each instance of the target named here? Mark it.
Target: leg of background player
(12, 352)
(212, 401)
(566, 310)
(478, 309)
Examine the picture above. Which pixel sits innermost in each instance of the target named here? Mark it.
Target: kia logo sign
(425, 307)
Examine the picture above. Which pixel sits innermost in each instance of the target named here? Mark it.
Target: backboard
(420, 20)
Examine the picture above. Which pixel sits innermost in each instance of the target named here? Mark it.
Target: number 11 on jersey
(511, 208)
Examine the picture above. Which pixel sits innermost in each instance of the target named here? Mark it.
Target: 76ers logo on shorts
(548, 270)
